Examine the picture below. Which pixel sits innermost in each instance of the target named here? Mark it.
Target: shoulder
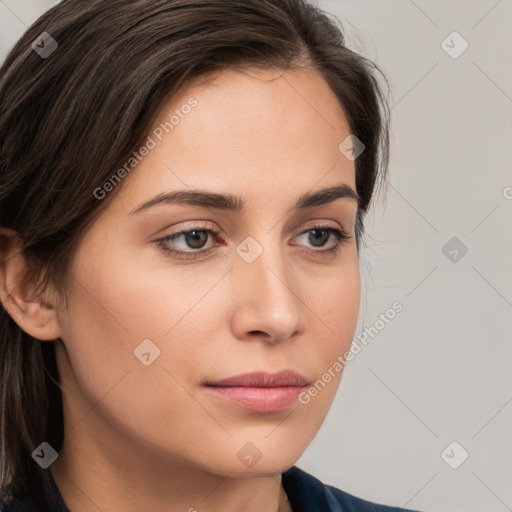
(35, 495)
(26, 505)
(305, 492)
(353, 503)
(18, 506)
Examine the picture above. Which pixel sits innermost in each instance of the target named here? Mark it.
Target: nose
(266, 301)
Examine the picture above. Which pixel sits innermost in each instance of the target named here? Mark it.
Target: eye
(196, 238)
(319, 235)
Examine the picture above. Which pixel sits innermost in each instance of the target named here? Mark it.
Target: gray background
(440, 370)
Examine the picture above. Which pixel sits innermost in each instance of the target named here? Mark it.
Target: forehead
(260, 128)
(253, 101)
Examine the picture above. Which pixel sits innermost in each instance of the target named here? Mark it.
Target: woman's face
(253, 289)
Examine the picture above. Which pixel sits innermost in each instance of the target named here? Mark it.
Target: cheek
(340, 313)
(114, 306)
(337, 306)
(346, 311)
(118, 301)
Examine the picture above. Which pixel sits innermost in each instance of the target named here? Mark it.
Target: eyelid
(326, 223)
(197, 225)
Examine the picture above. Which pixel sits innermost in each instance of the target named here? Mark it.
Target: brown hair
(69, 120)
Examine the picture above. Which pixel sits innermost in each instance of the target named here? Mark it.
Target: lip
(264, 380)
(260, 391)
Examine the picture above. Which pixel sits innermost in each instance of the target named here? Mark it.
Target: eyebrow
(233, 203)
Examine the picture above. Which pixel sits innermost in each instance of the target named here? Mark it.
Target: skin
(152, 437)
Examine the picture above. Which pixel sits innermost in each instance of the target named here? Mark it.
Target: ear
(37, 316)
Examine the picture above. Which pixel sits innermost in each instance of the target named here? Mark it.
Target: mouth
(260, 391)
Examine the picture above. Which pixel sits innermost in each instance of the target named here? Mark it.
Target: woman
(183, 185)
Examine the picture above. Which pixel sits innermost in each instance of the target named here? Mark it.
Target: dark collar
(306, 493)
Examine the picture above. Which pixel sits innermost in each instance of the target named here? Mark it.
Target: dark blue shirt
(305, 493)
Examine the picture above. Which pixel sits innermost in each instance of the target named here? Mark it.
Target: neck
(90, 481)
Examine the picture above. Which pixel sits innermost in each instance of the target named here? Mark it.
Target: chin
(249, 463)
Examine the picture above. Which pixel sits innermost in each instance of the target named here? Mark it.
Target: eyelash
(341, 237)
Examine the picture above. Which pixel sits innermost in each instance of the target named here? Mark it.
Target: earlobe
(37, 317)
